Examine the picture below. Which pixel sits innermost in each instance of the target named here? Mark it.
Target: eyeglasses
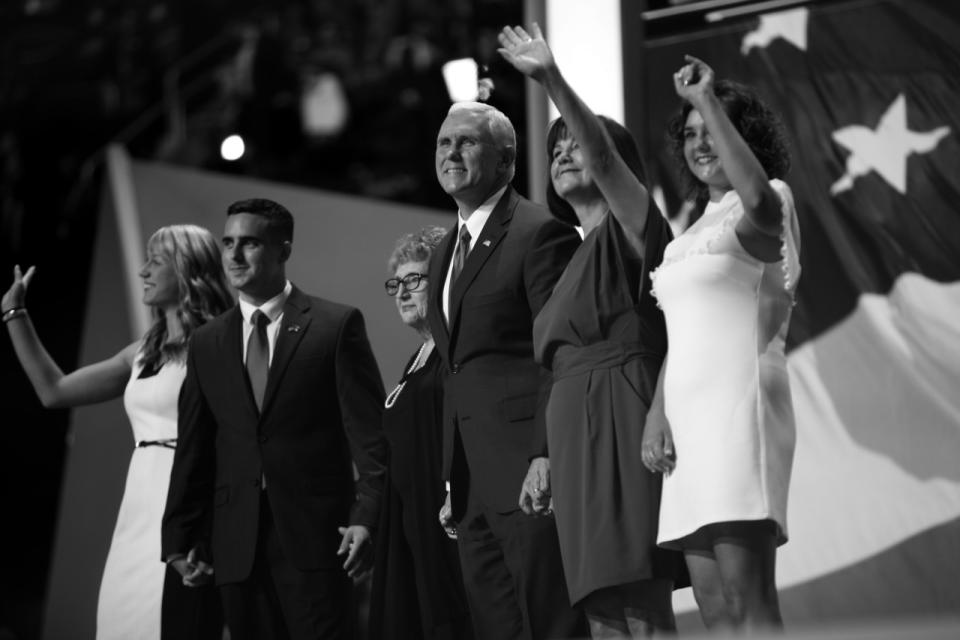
(410, 282)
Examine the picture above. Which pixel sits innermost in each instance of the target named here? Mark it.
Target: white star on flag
(884, 149)
(789, 25)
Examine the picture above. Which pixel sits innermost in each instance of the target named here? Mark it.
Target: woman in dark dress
(417, 586)
(604, 340)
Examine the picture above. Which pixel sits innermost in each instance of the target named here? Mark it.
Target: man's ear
(509, 157)
(286, 248)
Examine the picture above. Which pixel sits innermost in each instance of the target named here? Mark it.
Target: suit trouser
(280, 602)
(513, 575)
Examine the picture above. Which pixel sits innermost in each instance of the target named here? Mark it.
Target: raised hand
(528, 54)
(693, 79)
(16, 295)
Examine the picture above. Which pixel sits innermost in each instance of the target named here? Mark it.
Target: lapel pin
(485, 243)
(293, 328)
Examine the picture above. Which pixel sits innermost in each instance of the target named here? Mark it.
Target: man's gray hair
(499, 125)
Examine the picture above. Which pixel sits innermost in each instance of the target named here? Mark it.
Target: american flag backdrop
(870, 94)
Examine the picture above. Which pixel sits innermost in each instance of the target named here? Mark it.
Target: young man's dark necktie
(258, 356)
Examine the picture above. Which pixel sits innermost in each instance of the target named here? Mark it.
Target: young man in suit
(490, 276)
(282, 398)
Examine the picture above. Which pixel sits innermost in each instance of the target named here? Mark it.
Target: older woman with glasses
(417, 584)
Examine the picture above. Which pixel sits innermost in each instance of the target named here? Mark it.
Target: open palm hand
(528, 54)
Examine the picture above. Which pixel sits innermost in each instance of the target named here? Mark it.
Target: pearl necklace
(416, 364)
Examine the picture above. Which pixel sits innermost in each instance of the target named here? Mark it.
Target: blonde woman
(184, 285)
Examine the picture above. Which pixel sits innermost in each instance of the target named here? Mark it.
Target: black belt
(167, 443)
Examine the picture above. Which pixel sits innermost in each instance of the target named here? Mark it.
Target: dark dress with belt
(604, 340)
(417, 589)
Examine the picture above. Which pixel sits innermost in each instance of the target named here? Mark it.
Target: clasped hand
(356, 544)
(194, 571)
(657, 451)
(535, 495)
(446, 519)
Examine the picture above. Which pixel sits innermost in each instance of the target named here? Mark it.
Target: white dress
(132, 586)
(726, 388)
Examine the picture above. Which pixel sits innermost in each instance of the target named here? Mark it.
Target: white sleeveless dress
(726, 388)
(132, 587)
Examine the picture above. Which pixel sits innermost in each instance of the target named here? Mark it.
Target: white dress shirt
(273, 309)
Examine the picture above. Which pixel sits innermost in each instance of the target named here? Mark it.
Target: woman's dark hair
(759, 126)
(622, 140)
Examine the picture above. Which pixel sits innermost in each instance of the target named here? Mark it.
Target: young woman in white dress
(721, 426)
(184, 285)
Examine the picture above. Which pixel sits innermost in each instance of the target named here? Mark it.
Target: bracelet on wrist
(13, 314)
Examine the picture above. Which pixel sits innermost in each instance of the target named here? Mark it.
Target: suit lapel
(231, 346)
(292, 329)
(483, 248)
(438, 275)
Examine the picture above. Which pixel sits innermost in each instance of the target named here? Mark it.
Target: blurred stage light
(461, 78)
(323, 106)
(232, 148)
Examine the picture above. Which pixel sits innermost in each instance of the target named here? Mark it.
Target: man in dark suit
(281, 399)
(490, 276)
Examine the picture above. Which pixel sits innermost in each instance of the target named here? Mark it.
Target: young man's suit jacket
(495, 394)
(321, 414)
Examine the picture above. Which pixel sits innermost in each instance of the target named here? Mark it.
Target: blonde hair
(203, 290)
(415, 247)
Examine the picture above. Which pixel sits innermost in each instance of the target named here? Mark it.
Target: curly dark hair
(760, 126)
(622, 140)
